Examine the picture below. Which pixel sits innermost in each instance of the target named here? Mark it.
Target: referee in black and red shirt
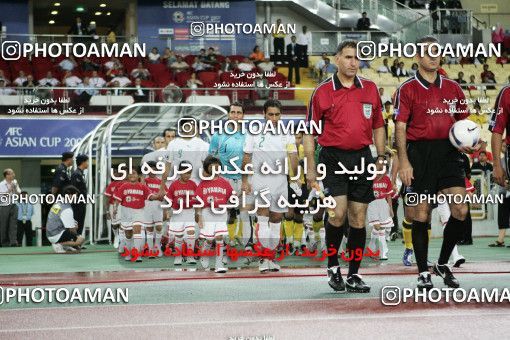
(428, 162)
(350, 110)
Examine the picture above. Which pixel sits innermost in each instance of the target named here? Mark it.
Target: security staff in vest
(61, 178)
(61, 227)
(78, 181)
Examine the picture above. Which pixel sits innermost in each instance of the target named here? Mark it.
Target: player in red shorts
(182, 223)
(213, 192)
(131, 197)
(119, 241)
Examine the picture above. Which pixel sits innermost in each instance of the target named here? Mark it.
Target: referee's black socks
(452, 233)
(420, 244)
(356, 240)
(333, 240)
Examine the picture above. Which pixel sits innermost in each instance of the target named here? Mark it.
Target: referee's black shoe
(444, 271)
(424, 281)
(335, 279)
(355, 284)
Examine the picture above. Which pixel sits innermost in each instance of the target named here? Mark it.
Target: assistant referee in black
(350, 110)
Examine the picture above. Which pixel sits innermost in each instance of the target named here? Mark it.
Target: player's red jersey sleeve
(377, 120)
(462, 111)
(499, 119)
(402, 104)
(119, 192)
(109, 189)
(314, 109)
(146, 191)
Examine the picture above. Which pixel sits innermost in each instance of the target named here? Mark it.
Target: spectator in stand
(226, 66)
(473, 87)
(320, 64)
(211, 56)
(384, 97)
(179, 65)
(401, 71)
(266, 65)
(304, 39)
(113, 63)
(113, 72)
(246, 65)
(498, 36)
(20, 79)
(257, 55)
(363, 22)
(117, 90)
(433, 7)
(487, 74)
(461, 81)
(29, 85)
(5, 91)
(140, 72)
(262, 87)
(49, 80)
(25, 213)
(198, 65)
(483, 147)
(364, 64)
(139, 94)
(193, 82)
(84, 91)
(154, 56)
(328, 69)
(487, 80)
(70, 80)
(278, 43)
(168, 57)
(293, 60)
(202, 56)
(122, 79)
(503, 59)
(384, 68)
(77, 28)
(2, 76)
(89, 65)
(68, 64)
(413, 70)
(111, 37)
(483, 163)
(455, 16)
(394, 67)
(96, 81)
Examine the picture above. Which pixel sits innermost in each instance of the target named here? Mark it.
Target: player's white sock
(220, 245)
(343, 244)
(274, 236)
(264, 232)
(382, 240)
(115, 233)
(373, 239)
(129, 243)
(322, 234)
(138, 241)
(171, 237)
(178, 243)
(122, 240)
(157, 240)
(455, 253)
(244, 218)
(190, 241)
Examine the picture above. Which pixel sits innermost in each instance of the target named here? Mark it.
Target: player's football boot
(424, 281)
(406, 259)
(445, 272)
(355, 284)
(335, 279)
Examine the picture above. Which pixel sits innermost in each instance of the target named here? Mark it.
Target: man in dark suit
(363, 22)
(78, 180)
(293, 59)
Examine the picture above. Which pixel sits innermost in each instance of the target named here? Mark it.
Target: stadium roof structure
(128, 134)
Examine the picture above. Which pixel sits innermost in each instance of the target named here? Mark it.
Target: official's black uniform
(79, 209)
(61, 178)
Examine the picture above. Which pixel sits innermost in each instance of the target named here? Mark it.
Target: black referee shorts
(357, 190)
(437, 165)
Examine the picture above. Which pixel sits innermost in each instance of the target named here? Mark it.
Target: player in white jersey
(187, 147)
(158, 144)
(269, 148)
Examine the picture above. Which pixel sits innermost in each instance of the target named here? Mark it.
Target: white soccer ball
(464, 133)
